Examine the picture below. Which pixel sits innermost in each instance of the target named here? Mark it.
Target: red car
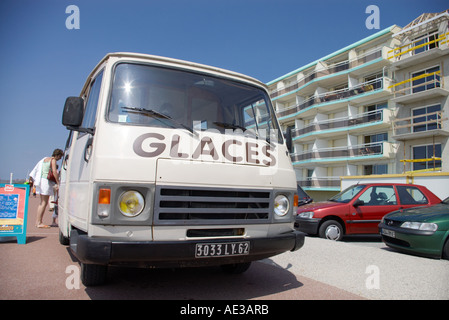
(359, 208)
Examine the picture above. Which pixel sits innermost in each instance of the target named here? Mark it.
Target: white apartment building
(377, 106)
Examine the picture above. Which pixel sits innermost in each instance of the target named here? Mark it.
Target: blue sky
(42, 62)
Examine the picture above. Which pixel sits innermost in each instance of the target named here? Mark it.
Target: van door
(63, 175)
(81, 154)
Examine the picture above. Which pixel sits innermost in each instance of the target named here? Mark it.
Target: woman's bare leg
(41, 210)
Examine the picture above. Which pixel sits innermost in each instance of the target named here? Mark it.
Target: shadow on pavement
(194, 283)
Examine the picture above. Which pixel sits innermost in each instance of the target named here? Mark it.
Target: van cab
(171, 163)
(360, 208)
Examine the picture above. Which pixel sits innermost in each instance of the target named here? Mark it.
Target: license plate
(389, 233)
(206, 250)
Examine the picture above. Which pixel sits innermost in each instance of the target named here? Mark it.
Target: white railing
(375, 84)
(361, 150)
(366, 117)
(331, 69)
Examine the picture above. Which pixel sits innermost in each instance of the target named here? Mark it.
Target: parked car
(302, 197)
(422, 231)
(359, 209)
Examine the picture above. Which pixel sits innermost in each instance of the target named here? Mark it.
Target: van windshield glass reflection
(161, 97)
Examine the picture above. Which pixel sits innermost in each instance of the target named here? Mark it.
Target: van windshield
(162, 97)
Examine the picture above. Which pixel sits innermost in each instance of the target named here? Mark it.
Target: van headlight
(131, 203)
(281, 205)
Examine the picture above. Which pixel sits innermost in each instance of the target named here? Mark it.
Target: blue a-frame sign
(14, 211)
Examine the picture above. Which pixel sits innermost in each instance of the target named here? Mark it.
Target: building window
(375, 80)
(379, 137)
(428, 82)
(426, 153)
(373, 111)
(429, 40)
(425, 119)
(376, 106)
(375, 169)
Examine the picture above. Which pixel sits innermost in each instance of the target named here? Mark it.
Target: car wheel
(331, 230)
(446, 250)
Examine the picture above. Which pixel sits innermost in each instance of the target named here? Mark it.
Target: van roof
(177, 62)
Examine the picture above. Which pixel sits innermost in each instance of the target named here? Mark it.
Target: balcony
(420, 126)
(420, 87)
(358, 94)
(337, 68)
(420, 50)
(330, 183)
(367, 151)
(359, 122)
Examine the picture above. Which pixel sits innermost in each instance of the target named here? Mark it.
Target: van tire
(65, 241)
(331, 230)
(235, 268)
(93, 274)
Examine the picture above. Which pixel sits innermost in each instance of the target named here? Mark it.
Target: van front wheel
(93, 274)
(331, 230)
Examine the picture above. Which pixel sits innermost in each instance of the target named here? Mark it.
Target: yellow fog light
(131, 203)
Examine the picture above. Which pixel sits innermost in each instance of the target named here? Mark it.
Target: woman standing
(44, 186)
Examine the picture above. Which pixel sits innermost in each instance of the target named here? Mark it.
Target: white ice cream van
(173, 164)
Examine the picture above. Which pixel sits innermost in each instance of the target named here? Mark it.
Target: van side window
(92, 103)
(411, 195)
(379, 196)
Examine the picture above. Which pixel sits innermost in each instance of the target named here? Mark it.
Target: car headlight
(306, 214)
(281, 205)
(131, 203)
(424, 226)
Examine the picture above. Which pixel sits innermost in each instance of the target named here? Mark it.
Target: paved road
(43, 269)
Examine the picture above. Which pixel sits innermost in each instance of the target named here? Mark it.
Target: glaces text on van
(154, 144)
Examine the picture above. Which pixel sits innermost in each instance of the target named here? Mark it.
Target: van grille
(191, 205)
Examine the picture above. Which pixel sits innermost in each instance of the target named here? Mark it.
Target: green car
(422, 231)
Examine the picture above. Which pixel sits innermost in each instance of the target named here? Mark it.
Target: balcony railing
(362, 150)
(320, 182)
(419, 123)
(418, 46)
(363, 118)
(372, 85)
(332, 69)
(417, 84)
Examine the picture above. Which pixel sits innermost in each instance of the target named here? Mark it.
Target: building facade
(378, 106)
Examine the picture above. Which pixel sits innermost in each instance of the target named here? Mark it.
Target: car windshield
(446, 201)
(348, 194)
(162, 97)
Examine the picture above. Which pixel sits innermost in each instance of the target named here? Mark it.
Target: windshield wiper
(157, 115)
(229, 125)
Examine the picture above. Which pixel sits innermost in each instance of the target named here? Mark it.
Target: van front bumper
(175, 253)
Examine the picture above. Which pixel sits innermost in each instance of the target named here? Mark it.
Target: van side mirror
(72, 116)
